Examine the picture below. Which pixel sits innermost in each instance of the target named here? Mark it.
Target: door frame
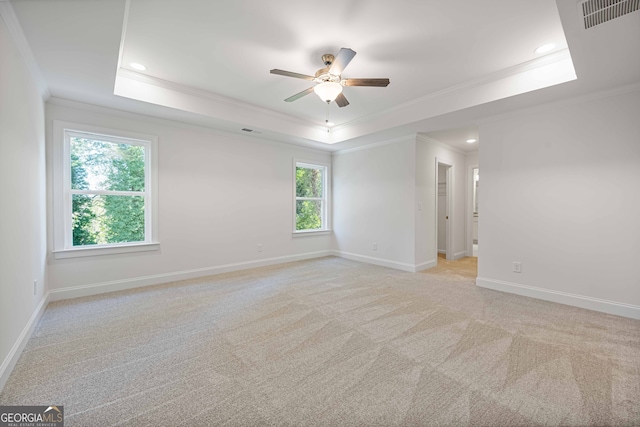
(470, 185)
(450, 186)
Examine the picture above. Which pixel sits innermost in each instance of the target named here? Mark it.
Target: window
(311, 188)
(104, 196)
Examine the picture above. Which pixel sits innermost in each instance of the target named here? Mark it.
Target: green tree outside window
(310, 188)
(99, 167)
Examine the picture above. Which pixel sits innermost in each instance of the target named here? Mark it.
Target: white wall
(373, 194)
(386, 194)
(560, 193)
(220, 195)
(427, 151)
(22, 200)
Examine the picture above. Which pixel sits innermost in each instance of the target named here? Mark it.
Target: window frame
(325, 200)
(62, 192)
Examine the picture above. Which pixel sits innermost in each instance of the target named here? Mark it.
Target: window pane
(101, 165)
(309, 182)
(308, 215)
(99, 220)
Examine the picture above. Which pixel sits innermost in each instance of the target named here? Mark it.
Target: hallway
(464, 268)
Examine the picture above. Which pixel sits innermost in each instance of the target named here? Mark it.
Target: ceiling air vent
(257, 132)
(595, 12)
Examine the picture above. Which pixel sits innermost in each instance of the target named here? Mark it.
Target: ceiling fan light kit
(329, 79)
(328, 91)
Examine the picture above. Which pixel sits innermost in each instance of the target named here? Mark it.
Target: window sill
(311, 233)
(105, 250)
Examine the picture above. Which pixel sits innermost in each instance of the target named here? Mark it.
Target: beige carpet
(329, 342)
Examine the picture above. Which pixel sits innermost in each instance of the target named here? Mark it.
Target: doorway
(444, 186)
(475, 187)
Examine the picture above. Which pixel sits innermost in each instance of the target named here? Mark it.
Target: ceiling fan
(329, 79)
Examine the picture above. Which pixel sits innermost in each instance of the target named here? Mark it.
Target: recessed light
(137, 66)
(328, 123)
(545, 48)
(471, 141)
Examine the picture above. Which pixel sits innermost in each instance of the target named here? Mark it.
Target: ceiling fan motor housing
(323, 75)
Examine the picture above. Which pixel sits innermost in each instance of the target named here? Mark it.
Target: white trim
(14, 354)
(451, 196)
(597, 304)
(552, 58)
(123, 34)
(15, 29)
(459, 255)
(302, 233)
(325, 199)
(405, 138)
(214, 97)
(62, 245)
(425, 265)
(377, 261)
(105, 250)
(67, 103)
(469, 209)
(594, 96)
(425, 138)
(449, 199)
(156, 279)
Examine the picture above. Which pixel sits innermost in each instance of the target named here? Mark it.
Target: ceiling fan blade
(341, 100)
(299, 95)
(291, 74)
(341, 61)
(366, 82)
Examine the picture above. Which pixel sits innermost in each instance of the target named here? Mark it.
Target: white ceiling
(450, 63)
(228, 48)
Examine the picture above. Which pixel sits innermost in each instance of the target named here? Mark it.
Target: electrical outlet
(260, 247)
(375, 246)
(35, 287)
(517, 267)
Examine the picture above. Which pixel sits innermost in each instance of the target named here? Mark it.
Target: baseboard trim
(426, 265)
(156, 279)
(605, 306)
(376, 261)
(14, 354)
(456, 255)
(459, 255)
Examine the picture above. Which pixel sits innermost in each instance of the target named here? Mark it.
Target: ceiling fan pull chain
(326, 119)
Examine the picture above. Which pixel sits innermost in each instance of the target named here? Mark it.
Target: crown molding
(125, 23)
(499, 84)
(441, 144)
(593, 96)
(405, 138)
(140, 87)
(549, 59)
(67, 103)
(15, 29)
(554, 69)
(211, 96)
